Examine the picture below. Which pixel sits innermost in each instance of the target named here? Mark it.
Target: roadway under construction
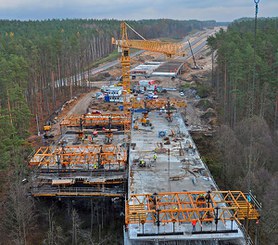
(161, 195)
(171, 190)
(145, 155)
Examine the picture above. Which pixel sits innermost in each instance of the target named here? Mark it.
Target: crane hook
(257, 3)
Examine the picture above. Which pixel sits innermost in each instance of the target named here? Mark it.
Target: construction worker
(153, 201)
(249, 198)
(176, 208)
(258, 220)
(209, 216)
(142, 163)
(194, 222)
(154, 157)
(95, 166)
(208, 198)
(90, 138)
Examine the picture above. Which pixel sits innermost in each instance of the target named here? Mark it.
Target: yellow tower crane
(124, 45)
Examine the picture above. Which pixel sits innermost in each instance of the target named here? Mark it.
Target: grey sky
(220, 10)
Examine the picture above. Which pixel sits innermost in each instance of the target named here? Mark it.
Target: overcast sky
(219, 10)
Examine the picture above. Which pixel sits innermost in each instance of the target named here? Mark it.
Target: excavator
(47, 131)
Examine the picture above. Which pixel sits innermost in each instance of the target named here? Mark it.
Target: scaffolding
(95, 120)
(109, 156)
(182, 207)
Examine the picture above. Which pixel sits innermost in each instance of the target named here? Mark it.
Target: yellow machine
(145, 120)
(124, 45)
(136, 126)
(46, 128)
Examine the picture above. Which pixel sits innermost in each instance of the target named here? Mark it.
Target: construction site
(134, 143)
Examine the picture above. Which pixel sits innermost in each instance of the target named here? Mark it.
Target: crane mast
(125, 61)
(124, 45)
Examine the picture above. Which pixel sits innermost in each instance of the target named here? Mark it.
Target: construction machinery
(46, 128)
(124, 45)
(79, 157)
(186, 206)
(89, 121)
(145, 120)
(77, 170)
(194, 60)
(47, 131)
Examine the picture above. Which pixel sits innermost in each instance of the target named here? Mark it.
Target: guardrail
(76, 191)
(253, 199)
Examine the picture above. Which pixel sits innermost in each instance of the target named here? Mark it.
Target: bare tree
(55, 234)
(19, 216)
(76, 227)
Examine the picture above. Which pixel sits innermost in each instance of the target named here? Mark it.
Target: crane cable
(252, 110)
(252, 95)
(135, 31)
(254, 58)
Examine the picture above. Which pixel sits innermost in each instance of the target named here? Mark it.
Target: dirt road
(81, 106)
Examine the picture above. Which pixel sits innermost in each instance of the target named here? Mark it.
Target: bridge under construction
(145, 155)
(164, 195)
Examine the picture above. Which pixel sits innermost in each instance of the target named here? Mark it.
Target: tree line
(236, 72)
(246, 84)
